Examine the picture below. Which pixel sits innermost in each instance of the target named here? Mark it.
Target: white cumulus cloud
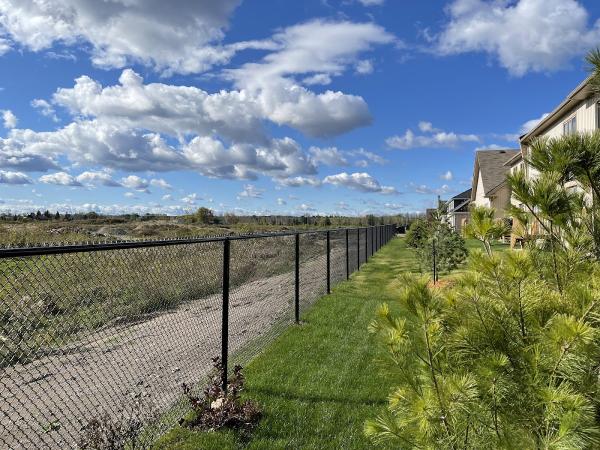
(180, 36)
(9, 119)
(524, 35)
(136, 183)
(360, 181)
(431, 137)
(160, 183)
(10, 177)
(99, 177)
(61, 179)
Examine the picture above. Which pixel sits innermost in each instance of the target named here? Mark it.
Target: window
(570, 126)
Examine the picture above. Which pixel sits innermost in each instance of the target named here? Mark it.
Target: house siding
(480, 198)
(586, 117)
(500, 201)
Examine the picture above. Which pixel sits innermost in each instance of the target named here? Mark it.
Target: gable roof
(465, 194)
(491, 165)
(581, 92)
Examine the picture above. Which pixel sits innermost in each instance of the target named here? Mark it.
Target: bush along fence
(102, 337)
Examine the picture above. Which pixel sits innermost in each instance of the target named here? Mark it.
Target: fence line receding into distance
(116, 328)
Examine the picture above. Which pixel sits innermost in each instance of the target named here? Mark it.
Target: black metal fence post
(358, 249)
(225, 317)
(372, 241)
(328, 264)
(366, 244)
(297, 281)
(347, 257)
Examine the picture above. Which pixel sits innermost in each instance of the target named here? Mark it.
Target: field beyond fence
(88, 330)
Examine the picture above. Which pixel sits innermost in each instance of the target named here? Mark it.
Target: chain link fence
(115, 329)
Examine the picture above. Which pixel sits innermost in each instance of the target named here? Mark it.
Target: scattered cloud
(371, 2)
(424, 189)
(281, 202)
(367, 158)
(9, 177)
(61, 179)
(359, 181)
(167, 197)
(523, 35)
(160, 183)
(13, 155)
(364, 67)
(448, 176)
(9, 119)
(45, 109)
(431, 138)
(250, 191)
(299, 181)
(329, 156)
(190, 199)
(306, 208)
(101, 177)
(130, 195)
(531, 124)
(136, 183)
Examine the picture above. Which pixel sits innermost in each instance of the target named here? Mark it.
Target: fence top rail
(50, 249)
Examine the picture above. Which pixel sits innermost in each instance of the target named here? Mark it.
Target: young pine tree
(501, 360)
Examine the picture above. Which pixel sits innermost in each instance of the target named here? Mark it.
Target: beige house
(577, 113)
(489, 187)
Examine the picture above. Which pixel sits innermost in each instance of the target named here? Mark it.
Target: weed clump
(217, 408)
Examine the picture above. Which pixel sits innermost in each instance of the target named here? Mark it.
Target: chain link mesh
(313, 268)
(95, 332)
(337, 240)
(261, 301)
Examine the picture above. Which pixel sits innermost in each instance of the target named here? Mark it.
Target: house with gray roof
(457, 210)
(489, 186)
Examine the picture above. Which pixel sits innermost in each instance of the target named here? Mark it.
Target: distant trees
(202, 215)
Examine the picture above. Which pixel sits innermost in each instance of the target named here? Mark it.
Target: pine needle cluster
(500, 360)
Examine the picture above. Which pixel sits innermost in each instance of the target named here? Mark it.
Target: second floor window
(570, 126)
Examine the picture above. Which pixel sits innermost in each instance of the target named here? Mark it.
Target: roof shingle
(492, 168)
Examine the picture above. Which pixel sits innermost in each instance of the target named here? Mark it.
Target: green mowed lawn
(319, 382)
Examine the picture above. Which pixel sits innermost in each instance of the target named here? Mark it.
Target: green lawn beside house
(319, 382)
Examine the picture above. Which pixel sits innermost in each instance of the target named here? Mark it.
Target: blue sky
(272, 107)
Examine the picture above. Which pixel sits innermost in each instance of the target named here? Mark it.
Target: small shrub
(218, 409)
(109, 433)
(451, 250)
